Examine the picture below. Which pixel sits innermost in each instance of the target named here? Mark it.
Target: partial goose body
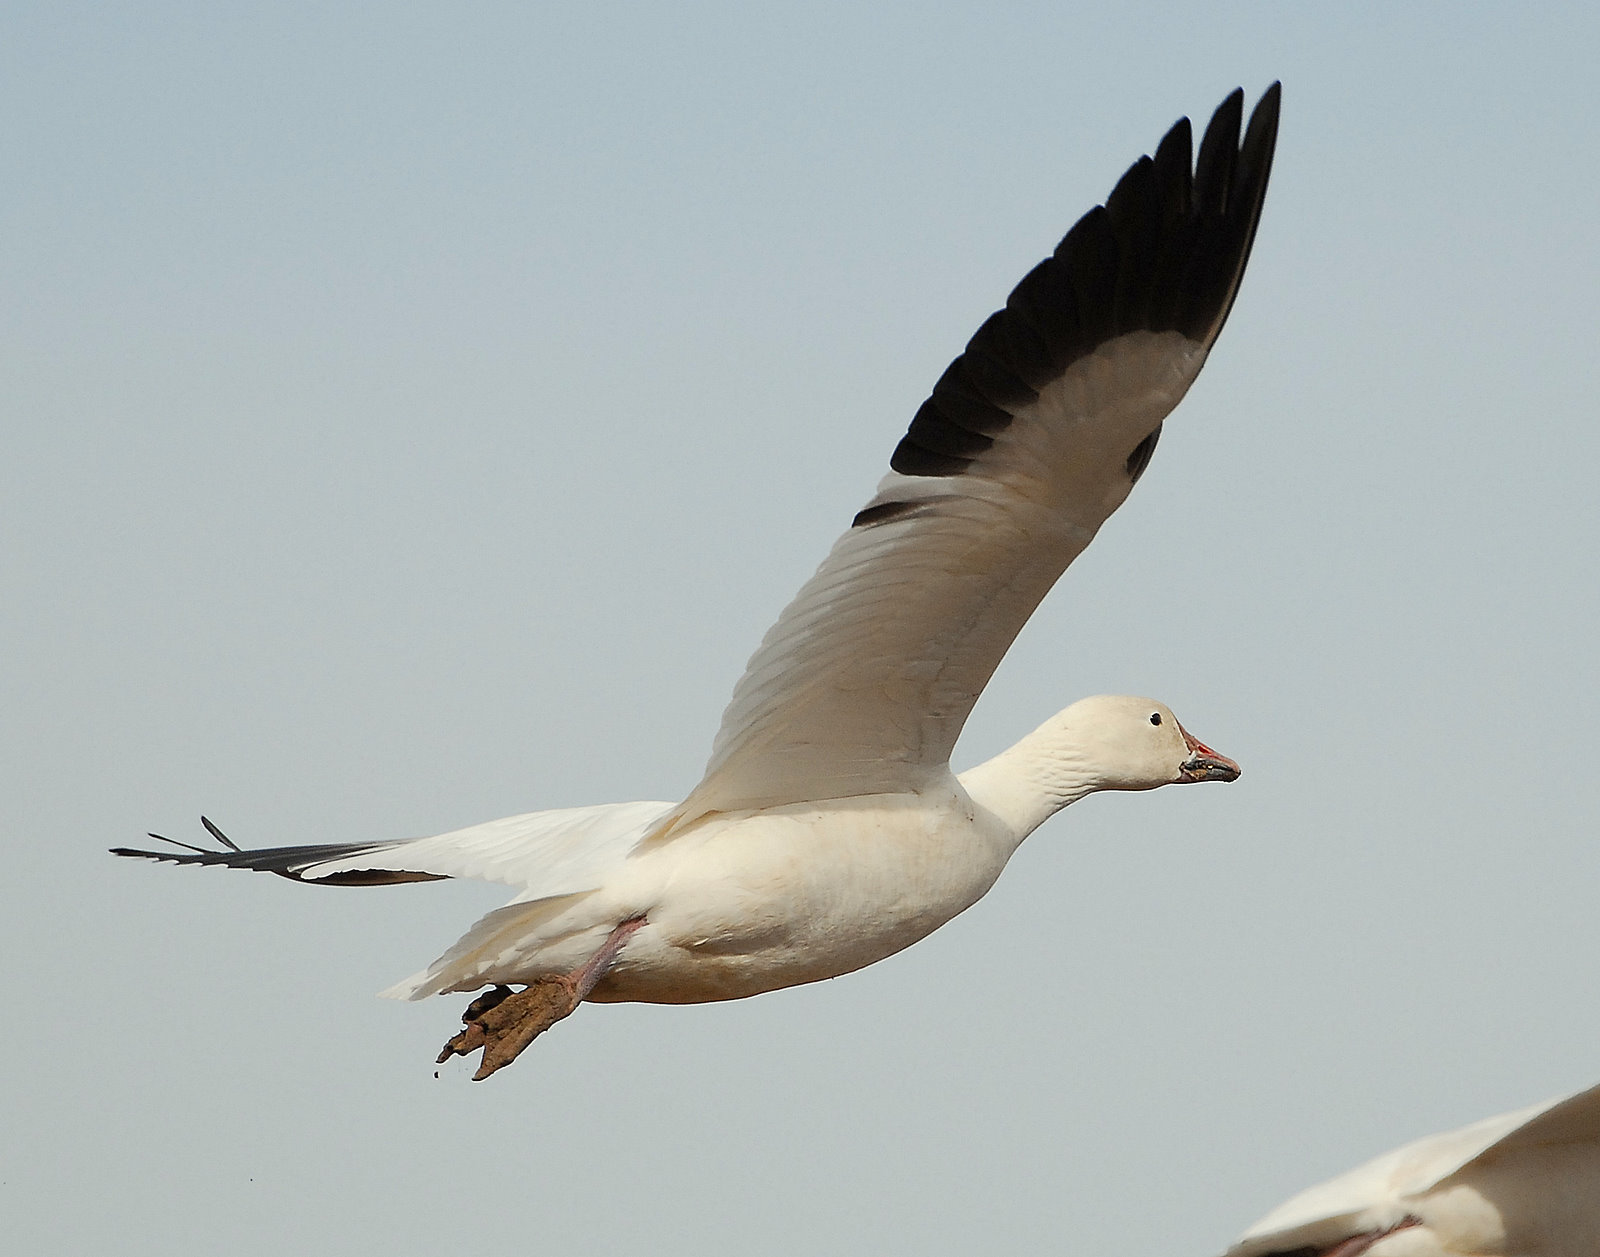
(828, 830)
(1525, 1184)
(755, 900)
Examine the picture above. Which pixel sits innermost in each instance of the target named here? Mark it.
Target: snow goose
(828, 831)
(1526, 1184)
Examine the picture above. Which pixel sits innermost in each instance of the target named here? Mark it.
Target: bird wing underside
(1030, 440)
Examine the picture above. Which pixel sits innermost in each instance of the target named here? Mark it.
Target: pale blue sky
(414, 414)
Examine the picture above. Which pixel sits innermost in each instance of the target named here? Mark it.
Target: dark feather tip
(163, 838)
(221, 837)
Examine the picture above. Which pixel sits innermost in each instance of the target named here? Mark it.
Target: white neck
(1029, 783)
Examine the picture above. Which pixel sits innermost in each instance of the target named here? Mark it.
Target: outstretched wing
(559, 852)
(1030, 440)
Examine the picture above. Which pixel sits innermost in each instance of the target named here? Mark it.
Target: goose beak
(1203, 763)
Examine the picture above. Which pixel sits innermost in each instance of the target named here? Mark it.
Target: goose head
(1111, 742)
(1138, 744)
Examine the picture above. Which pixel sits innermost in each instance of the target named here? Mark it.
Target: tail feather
(290, 862)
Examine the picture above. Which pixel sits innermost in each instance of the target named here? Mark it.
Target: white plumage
(909, 618)
(1525, 1184)
(829, 830)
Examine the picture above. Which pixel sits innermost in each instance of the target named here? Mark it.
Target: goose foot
(503, 1022)
(510, 1023)
(491, 998)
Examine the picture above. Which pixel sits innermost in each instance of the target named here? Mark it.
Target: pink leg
(587, 978)
(502, 1025)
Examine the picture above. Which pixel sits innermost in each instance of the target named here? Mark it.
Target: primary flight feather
(829, 831)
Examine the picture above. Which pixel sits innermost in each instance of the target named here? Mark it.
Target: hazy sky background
(414, 414)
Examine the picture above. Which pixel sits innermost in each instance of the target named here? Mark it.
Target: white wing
(1532, 1175)
(558, 852)
(1031, 439)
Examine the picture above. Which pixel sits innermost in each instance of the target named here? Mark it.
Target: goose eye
(1155, 717)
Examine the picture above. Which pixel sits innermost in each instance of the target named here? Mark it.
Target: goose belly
(773, 900)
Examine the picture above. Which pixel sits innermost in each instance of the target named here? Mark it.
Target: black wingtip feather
(163, 838)
(1219, 150)
(912, 459)
(1136, 217)
(1173, 173)
(1045, 303)
(883, 513)
(219, 835)
(1090, 254)
(289, 862)
(1166, 252)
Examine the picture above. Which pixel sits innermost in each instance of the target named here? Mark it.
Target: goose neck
(1030, 782)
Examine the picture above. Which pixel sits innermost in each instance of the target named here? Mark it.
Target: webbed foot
(503, 1023)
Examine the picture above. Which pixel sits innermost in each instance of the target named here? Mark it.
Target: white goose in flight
(1526, 1184)
(829, 831)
